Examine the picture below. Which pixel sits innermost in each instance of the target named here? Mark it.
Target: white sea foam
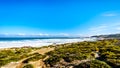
(39, 42)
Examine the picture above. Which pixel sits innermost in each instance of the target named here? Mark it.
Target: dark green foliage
(52, 60)
(93, 64)
(68, 59)
(28, 66)
(115, 63)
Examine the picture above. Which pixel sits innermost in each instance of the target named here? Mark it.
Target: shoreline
(39, 43)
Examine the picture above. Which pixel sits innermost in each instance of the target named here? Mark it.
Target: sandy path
(42, 51)
(19, 63)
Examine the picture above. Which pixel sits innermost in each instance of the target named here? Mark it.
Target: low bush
(93, 64)
(28, 66)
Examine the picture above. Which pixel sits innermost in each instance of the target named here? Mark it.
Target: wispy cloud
(105, 29)
(98, 28)
(117, 28)
(109, 14)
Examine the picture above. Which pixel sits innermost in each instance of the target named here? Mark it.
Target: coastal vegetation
(14, 54)
(87, 54)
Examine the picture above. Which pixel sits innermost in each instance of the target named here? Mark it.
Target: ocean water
(37, 42)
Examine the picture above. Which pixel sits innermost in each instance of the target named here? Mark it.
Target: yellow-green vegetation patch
(34, 57)
(87, 50)
(14, 54)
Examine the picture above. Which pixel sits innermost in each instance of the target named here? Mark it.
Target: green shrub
(3, 62)
(93, 64)
(52, 60)
(28, 66)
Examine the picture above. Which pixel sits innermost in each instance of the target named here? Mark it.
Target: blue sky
(67, 17)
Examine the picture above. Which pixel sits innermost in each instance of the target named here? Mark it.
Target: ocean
(8, 42)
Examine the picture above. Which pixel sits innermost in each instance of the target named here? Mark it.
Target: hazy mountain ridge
(110, 36)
